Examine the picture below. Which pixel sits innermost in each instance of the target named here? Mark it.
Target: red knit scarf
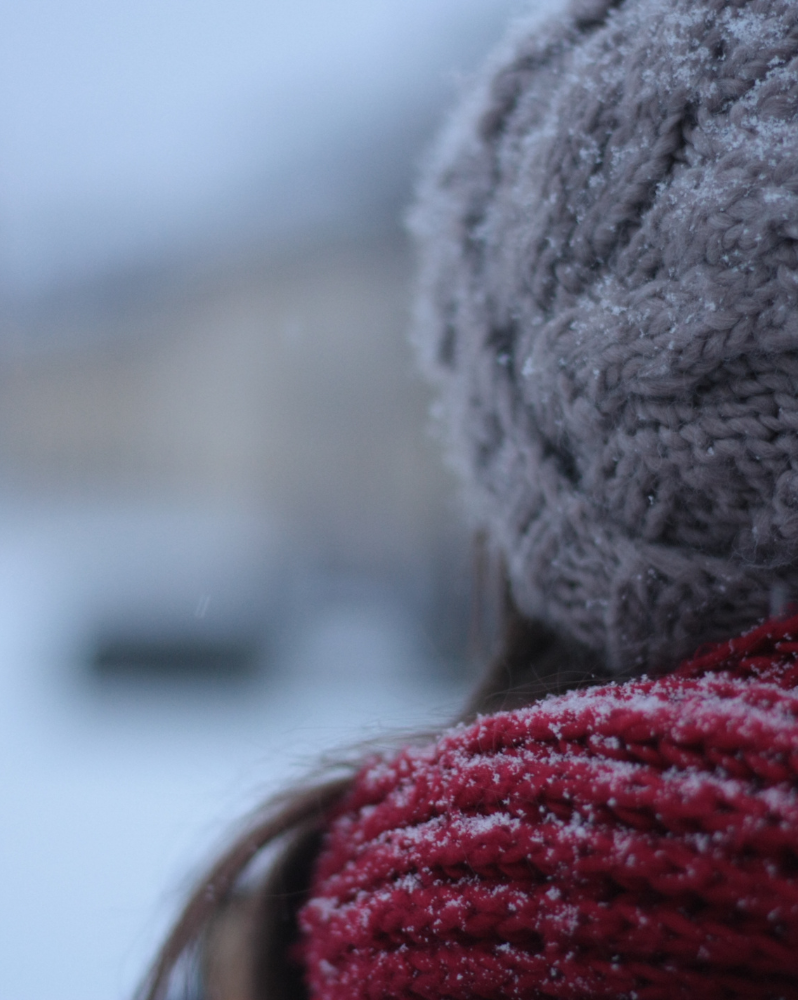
(636, 840)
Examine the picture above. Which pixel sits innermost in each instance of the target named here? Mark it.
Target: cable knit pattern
(638, 840)
(609, 305)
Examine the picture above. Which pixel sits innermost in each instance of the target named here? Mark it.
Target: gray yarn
(609, 305)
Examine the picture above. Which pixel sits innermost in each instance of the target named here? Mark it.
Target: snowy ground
(113, 799)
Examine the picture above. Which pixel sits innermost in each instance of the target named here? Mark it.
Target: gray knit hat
(609, 305)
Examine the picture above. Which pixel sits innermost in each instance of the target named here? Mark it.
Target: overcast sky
(126, 128)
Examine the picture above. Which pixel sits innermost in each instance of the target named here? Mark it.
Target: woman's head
(609, 304)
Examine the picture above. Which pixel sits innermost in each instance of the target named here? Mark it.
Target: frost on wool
(640, 841)
(609, 307)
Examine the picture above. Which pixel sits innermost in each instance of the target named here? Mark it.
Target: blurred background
(227, 541)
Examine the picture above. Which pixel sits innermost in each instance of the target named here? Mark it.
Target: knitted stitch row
(635, 840)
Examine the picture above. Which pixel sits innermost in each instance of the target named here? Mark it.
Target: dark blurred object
(149, 658)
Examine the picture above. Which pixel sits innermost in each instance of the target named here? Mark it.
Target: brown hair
(236, 938)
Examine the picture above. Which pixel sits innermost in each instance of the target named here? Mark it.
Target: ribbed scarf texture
(637, 840)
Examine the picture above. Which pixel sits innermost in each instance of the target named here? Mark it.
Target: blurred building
(273, 385)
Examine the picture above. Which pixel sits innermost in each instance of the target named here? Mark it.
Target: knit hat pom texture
(609, 307)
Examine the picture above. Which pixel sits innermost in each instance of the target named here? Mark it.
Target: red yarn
(636, 840)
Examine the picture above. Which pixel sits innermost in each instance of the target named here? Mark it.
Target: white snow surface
(112, 806)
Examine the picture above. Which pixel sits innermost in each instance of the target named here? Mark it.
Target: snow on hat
(609, 305)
